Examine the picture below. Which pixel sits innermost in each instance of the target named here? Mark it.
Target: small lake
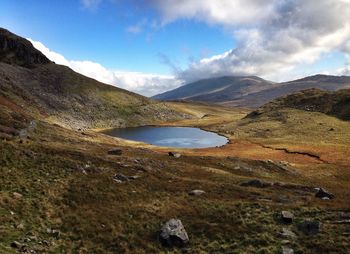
(179, 137)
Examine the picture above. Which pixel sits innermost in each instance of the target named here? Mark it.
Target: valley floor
(58, 192)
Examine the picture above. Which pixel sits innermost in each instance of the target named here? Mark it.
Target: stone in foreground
(173, 234)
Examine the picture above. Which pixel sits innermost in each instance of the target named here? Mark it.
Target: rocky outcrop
(19, 51)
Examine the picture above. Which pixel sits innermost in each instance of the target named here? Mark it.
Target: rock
(196, 192)
(173, 154)
(323, 194)
(255, 183)
(287, 250)
(120, 178)
(134, 177)
(20, 226)
(17, 195)
(173, 234)
(16, 245)
(287, 216)
(310, 227)
(115, 151)
(286, 233)
(54, 232)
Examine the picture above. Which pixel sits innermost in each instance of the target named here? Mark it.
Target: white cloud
(142, 83)
(273, 37)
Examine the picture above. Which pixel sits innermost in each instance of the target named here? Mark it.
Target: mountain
(217, 90)
(34, 86)
(250, 92)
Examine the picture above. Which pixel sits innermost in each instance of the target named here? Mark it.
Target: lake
(179, 137)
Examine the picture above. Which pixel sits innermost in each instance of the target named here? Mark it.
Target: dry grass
(66, 179)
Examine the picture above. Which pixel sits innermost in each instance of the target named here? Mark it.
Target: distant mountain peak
(16, 50)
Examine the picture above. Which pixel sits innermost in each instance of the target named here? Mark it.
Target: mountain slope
(217, 90)
(35, 86)
(250, 92)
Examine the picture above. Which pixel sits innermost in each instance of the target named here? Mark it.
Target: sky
(151, 46)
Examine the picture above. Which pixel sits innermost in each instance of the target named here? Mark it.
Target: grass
(66, 182)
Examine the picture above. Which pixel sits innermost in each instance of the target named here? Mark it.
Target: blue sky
(101, 33)
(151, 46)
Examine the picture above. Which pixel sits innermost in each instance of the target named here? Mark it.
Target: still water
(179, 137)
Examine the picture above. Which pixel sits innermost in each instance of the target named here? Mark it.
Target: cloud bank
(142, 83)
(273, 37)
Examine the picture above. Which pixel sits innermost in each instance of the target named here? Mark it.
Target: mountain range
(249, 91)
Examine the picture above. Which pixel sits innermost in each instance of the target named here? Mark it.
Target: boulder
(115, 151)
(323, 194)
(256, 183)
(173, 234)
(120, 178)
(310, 227)
(287, 216)
(287, 250)
(173, 154)
(196, 192)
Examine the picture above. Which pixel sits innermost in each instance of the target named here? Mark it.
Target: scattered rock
(173, 234)
(196, 192)
(20, 226)
(256, 183)
(287, 250)
(323, 194)
(287, 216)
(16, 245)
(173, 154)
(310, 227)
(134, 177)
(54, 232)
(115, 151)
(17, 195)
(120, 178)
(286, 233)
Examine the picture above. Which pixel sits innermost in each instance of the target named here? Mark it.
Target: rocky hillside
(19, 51)
(250, 92)
(314, 100)
(34, 87)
